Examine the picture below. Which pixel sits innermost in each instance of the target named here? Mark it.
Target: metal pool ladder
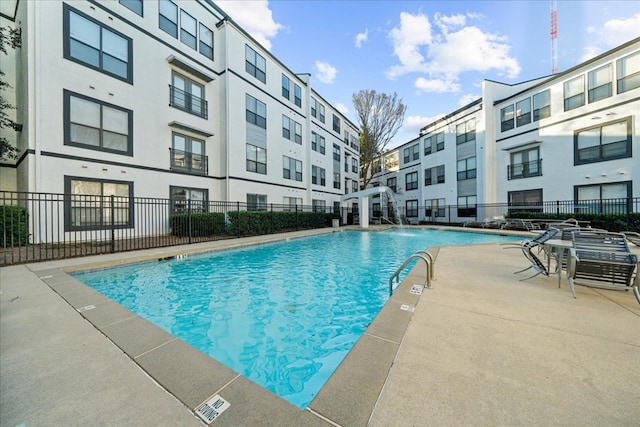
(423, 255)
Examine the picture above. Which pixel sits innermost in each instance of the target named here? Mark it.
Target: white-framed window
(291, 169)
(574, 93)
(600, 83)
(628, 72)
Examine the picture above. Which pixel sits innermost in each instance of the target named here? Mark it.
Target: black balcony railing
(193, 163)
(524, 170)
(188, 102)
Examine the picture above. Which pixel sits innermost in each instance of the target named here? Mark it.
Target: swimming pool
(282, 314)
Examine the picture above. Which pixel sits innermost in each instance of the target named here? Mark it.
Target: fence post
(238, 212)
(113, 223)
(189, 228)
(296, 217)
(271, 220)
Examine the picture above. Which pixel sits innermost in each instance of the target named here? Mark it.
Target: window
(317, 109)
(256, 202)
(321, 112)
(336, 180)
(613, 198)
(434, 208)
(187, 95)
(291, 203)
(188, 30)
(376, 211)
(206, 41)
(286, 83)
(466, 168)
(318, 176)
(133, 5)
(297, 95)
(392, 183)
(440, 141)
(467, 206)
(438, 171)
(466, 131)
(427, 146)
(346, 163)
(256, 159)
(169, 17)
(523, 112)
(600, 86)
(411, 153)
(574, 93)
(541, 106)
(187, 154)
(256, 112)
(607, 142)
(90, 205)
(255, 64)
(525, 200)
(506, 118)
(412, 208)
(440, 174)
(354, 186)
(317, 143)
(291, 168)
(628, 72)
(186, 200)
(411, 181)
(336, 123)
(89, 123)
(319, 205)
(524, 164)
(427, 177)
(291, 130)
(336, 152)
(354, 165)
(96, 46)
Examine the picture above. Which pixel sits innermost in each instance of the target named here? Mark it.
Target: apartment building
(169, 99)
(573, 136)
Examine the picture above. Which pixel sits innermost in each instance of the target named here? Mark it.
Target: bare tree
(9, 38)
(380, 116)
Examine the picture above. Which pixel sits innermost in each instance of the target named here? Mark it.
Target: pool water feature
(282, 314)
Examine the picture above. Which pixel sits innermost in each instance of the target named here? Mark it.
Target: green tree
(380, 116)
(10, 38)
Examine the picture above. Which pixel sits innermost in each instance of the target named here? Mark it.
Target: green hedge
(202, 224)
(14, 226)
(610, 222)
(244, 223)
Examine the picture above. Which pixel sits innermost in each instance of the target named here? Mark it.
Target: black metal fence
(44, 226)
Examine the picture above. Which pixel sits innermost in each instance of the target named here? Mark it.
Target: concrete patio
(480, 348)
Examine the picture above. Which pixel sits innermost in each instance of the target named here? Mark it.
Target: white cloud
(413, 124)
(255, 17)
(362, 37)
(612, 33)
(342, 108)
(447, 49)
(436, 85)
(467, 99)
(325, 72)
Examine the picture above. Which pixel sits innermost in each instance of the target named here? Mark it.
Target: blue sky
(433, 54)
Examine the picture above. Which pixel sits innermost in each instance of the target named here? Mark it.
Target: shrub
(244, 223)
(14, 226)
(205, 224)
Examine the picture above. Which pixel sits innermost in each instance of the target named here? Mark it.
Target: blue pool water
(282, 314)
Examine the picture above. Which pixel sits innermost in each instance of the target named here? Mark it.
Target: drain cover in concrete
(212, 408)
(416, 289)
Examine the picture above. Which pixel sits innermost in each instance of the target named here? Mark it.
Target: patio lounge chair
(602, 260)
(532, 248)
(632, 237)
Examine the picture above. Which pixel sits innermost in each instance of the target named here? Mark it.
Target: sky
(433, 54)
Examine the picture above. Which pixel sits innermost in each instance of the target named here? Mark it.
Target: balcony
(188, 102)
(192, 163)
(524, 170)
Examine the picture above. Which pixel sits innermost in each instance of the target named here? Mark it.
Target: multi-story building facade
(583, 122)
(169, 99)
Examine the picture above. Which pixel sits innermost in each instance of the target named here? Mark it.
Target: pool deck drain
(481, 348)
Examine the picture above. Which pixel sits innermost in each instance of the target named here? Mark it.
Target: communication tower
(554, 37)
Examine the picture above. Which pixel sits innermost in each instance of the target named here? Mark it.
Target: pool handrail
(423, 255)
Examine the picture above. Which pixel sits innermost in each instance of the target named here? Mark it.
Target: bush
(14, 226)
(204, 224)
(245, 223)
